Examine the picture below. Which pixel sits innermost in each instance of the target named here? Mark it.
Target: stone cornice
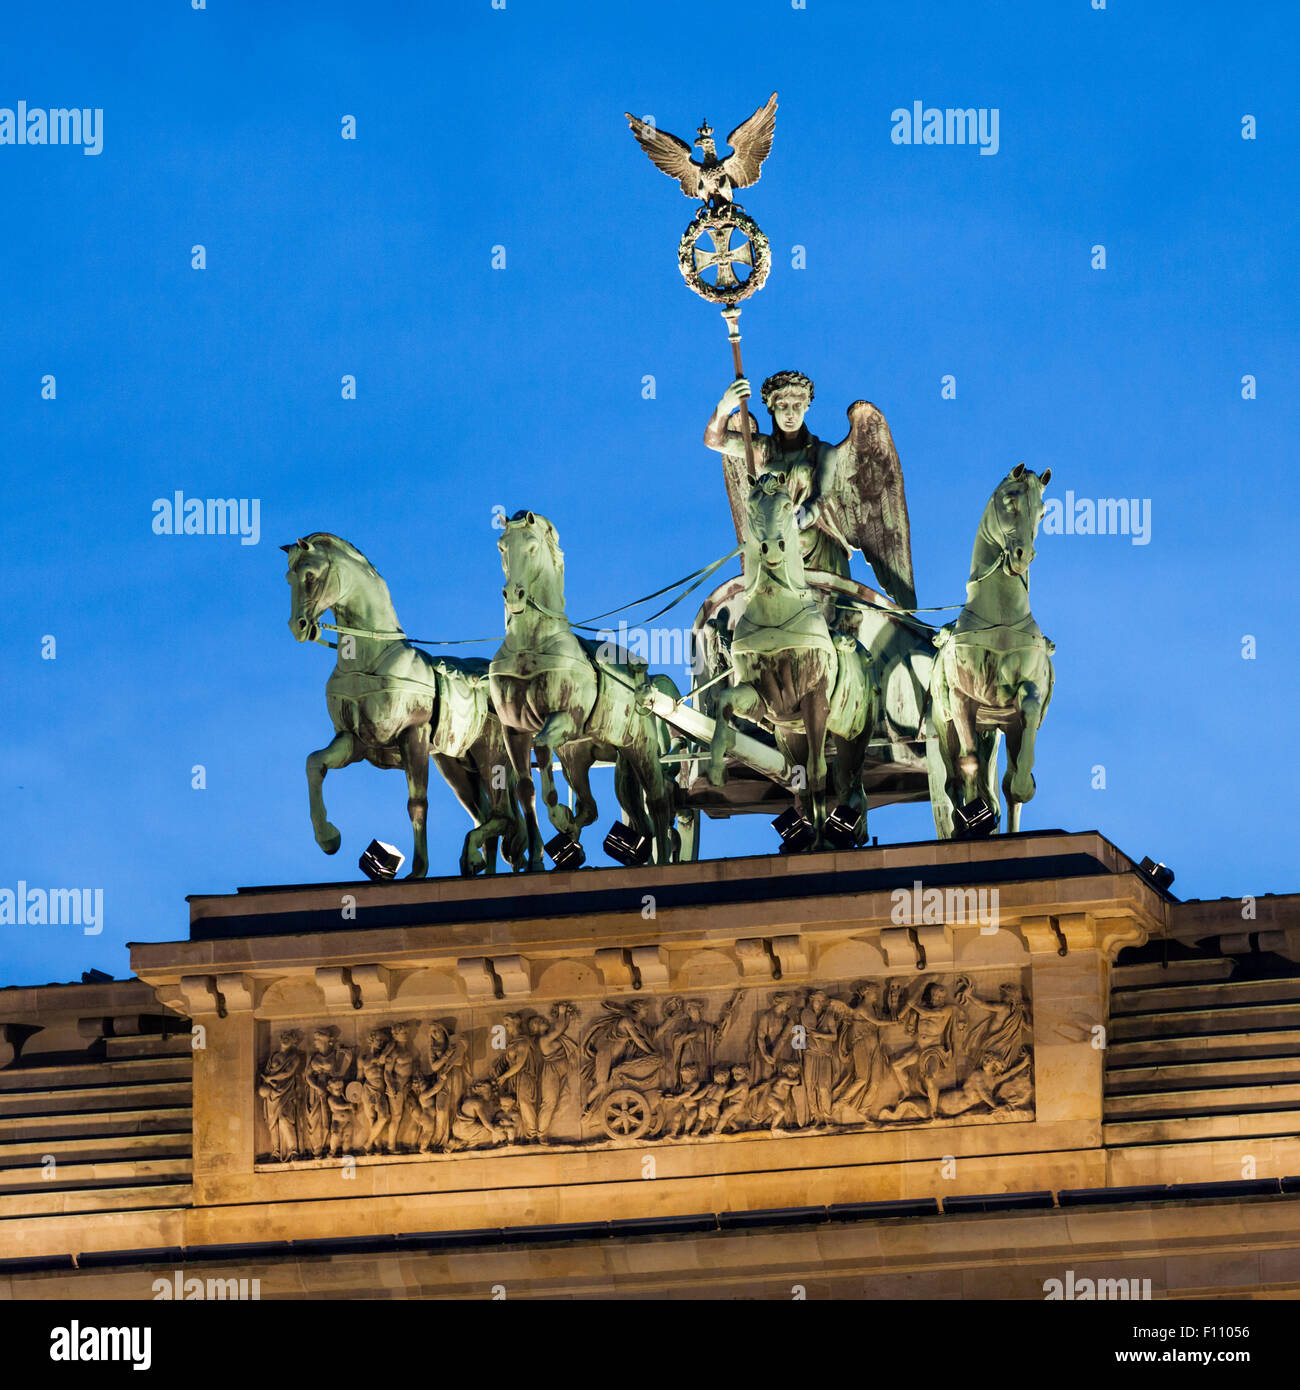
(768, 940)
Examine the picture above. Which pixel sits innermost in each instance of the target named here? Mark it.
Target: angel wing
(866, 508)
(750, 142)
(669, 153)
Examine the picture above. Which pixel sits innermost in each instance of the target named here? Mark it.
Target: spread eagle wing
(866, 507)
(751, 142)
(669, 153)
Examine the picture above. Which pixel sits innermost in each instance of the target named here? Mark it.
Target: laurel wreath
(724, 220)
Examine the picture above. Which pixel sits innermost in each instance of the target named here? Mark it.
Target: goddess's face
(789, 406)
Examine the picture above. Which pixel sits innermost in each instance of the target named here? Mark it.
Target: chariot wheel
(625, 1114)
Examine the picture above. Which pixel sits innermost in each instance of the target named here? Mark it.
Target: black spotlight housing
(626, 845)
(796, 831)
(974, 820)
(566, 853)
(381, 862)
(841, 827)
(1159, 874)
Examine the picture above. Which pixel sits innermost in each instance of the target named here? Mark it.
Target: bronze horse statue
(395, 706)
(791, 673)
(992, 672)
(552, 691)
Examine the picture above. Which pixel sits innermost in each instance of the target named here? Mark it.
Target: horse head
(314, 583)
(533, 564)
(326, 572)
(771, 536)
(1011, 519)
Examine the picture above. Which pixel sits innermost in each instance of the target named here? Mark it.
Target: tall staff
(707, 244)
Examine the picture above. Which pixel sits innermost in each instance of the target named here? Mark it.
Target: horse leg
(940, 752)
(814, 709)
(631, 799)
(562, 727)
(480, 848)
(1018, 781)
(498, 819)
(464, 785)
(658, 794)
(850, 759)
(413, 742)
(938, 766)
(987, 744)
(664, 741)
(339, 752)
(965, 786)
(735, 699)
(519, 749)
(502, 823)
(576, 760)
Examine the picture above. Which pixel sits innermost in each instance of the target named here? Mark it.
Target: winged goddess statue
(849, 495)
(711, 179)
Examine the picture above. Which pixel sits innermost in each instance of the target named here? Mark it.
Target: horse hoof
(329, 840)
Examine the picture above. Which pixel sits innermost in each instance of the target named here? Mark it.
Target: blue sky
(522, 387)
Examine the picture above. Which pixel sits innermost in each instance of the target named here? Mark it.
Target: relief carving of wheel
(625, 1114)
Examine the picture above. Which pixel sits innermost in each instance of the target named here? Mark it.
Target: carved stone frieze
(879, 1054)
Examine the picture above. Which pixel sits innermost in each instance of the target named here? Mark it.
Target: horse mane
(344, 548)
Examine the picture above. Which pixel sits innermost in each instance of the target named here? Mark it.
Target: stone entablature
(466, 955)
(941, 1038)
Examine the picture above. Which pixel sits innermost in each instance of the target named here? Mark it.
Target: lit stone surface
(633, 1011)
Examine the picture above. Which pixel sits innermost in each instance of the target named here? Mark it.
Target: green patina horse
(394, 706)
(790, 672)
(554, 692)
(992, 673)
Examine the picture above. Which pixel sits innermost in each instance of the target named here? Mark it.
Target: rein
(694, 580)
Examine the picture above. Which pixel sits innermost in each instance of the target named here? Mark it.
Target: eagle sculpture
(712, 179)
